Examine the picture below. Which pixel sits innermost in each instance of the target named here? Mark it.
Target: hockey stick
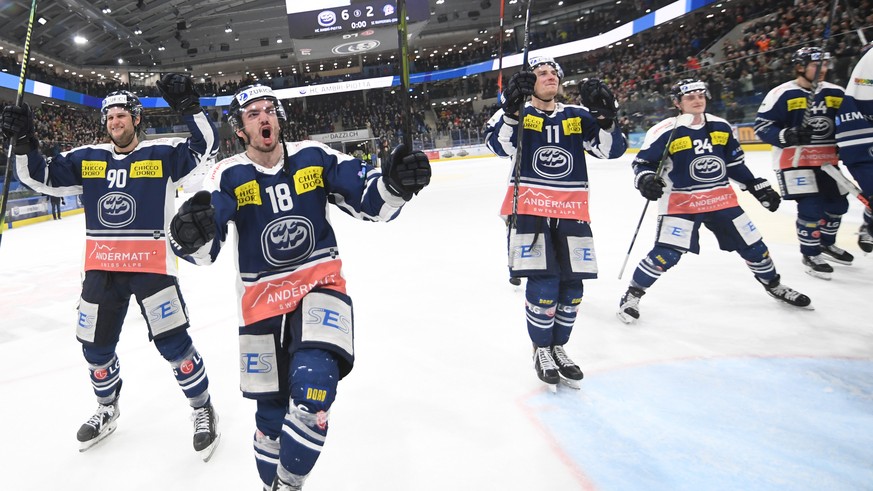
(811, 96)
(681, 120)
(403, 46)
(856, 22)
(844, 183)
(19, 100)
(518, 146)
(500, 52)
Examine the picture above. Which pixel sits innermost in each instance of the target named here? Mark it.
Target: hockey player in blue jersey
(296, 329)
(550, 238)
(780, 122)
(855, 138)
(128, 190)
(685, 164)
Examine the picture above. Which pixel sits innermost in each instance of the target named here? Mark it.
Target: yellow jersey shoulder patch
(679, 144)
(719, 137)
(247, 194)
(307, 179)
(572, 126)
(146, 168)
(798, 103)
(93, 169)
(532, 122)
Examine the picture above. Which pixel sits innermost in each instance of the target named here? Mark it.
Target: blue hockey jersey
(129, 199)
(697, 167)
(285, 244)
(553, 176)
(784, 106)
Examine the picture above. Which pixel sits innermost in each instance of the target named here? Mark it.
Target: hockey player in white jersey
(550, 241)
(855, 137)
(296, 328)
(128, 192)
(685, 164)
(780, 122)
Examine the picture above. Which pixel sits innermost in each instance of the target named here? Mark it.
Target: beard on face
(126, 138)
(260, 146)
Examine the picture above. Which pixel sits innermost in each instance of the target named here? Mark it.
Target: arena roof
(233, 35)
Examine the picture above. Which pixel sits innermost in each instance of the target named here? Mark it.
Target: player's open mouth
(266, 134)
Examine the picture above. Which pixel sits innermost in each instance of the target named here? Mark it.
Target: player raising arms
(296, 329)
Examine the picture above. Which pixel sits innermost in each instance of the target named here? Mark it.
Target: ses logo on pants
(256, 362)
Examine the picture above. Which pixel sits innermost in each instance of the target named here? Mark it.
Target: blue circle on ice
(750, 424)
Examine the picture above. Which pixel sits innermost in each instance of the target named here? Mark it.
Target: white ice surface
(443, 395)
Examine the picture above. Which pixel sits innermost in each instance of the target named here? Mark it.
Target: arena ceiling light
(80, 40)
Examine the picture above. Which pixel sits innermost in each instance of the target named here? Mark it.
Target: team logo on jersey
(707, 168)
(287, 240)
(552, 162)
(116, 210)
(822, 127)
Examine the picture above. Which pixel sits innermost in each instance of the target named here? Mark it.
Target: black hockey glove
(798, 135)
(520, 85)
(650, 185)
(600, 102)
(763, 192)
(16, 122)
(194, 223)
(178, 90)
(406, 173)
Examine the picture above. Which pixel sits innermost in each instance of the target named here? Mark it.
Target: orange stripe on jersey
(809, 156)
(281, 294)
(134, 255)
(570, 204)
(701, 201)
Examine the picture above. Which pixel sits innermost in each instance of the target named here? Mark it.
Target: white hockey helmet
(535, 61)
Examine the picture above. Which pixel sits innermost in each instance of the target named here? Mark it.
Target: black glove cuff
(782, 136)
(639, 177)
(26, 144)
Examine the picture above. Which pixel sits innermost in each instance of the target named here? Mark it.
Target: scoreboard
(314, 17)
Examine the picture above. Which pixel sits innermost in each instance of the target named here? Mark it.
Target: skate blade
(94, 441)
(627, 319)
(816, 274)
(570, 383)
(207, 452)
(553, 388)
(835, 260)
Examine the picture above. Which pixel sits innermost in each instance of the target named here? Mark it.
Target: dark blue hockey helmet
(247, 95)
(125, 99)
(687, 86)
(808, 54)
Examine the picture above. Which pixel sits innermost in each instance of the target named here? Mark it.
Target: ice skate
(792, 297)
(99, 426)
(546, 368)
(206, 434)
(837, 255)
(571, 375)
(816, 266)
(865, 240)
(280, 485)
(629, 307)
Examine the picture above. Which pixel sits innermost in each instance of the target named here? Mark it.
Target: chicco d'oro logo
(287, 240)
(356, 47)
(707, 168)
(552, 162)
(116, 210)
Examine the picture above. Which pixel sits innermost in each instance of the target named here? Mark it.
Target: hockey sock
(759, 262)
(565, 313)
(808, 235)
(828, 226)
(105, 376)
(656, 262)
(191, 377)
